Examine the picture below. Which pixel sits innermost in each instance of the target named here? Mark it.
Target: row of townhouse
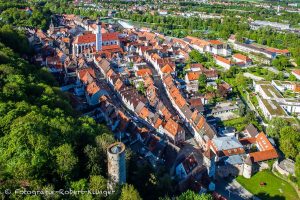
(215, 47)
(272, 102)
(236, 59)
(139, 104)
(165, 66)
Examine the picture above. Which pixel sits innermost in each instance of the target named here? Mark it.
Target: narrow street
(164, 97)
(118, 102)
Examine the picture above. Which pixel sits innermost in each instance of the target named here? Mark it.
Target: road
(118, 102)
(164, 97)
(232, 190)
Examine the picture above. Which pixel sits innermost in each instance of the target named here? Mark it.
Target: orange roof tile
(158, 123)
(280, 51)
(143, 72)
(166, 113)
(201, 122)
(84, 73)
(263, 142)
(192, 76)
(92, 88)
(144, 113)
(296, 88)
(263, 155)
(172, 127)
(167, 69)
(83, 39)
(90, 37)
(215, 42)
(110, 73)
(296, 71)
(241, 57)
(224, 60)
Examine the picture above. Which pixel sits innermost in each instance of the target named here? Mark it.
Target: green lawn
(275, 188)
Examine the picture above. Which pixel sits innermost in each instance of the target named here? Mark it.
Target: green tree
(66, 161)
(196, 56)
(281, 62)
(202, 83)
(297, 169)
(98, 183)
(274, 127)
(289, 142)
(129, 193)
(190, 195)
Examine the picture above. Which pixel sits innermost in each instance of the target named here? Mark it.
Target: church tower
(51, 27)
(98, 34)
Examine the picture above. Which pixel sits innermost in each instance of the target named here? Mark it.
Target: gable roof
(192, 76)
(92, 88)
(86, 75)
(251, 130)
(223, 60)
(143, 72)
(241, 57)
(167, 69)
(172, 127)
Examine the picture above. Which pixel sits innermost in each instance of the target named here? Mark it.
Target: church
(95, 41)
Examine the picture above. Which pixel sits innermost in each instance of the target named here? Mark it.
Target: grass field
(275, 188)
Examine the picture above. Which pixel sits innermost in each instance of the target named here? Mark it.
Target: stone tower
(98, 34)
(247, 172)
(116, 164)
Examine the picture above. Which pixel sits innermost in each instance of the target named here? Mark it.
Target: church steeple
(98, 34)
(51, 27)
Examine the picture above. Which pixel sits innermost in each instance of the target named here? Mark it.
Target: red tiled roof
(263, 142)
(143, 72)
(215, 42)
(144, 113)
(279, 51)
(192, 76)
(224, 60)
(267, 151)
(296, 71)
(241, 57)
(84, 73)
(110, 36)
(167, 69)
(172, 127)
(157, 123)
(83, 39)
(92, 88)
(263, 155)
(89, 38)
(296, 88)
